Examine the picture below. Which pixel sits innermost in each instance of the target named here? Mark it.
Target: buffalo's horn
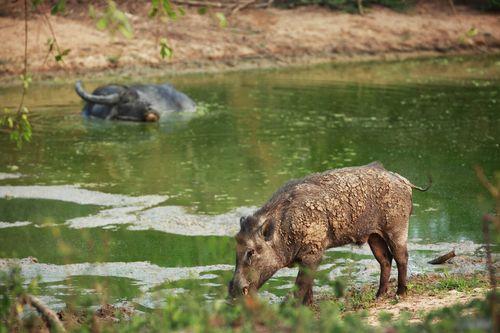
(98, 99)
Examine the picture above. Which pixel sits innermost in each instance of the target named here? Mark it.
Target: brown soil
(418, 305)
(253, 38)
(423, 296)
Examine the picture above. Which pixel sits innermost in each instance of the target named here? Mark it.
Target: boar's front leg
(304, 283)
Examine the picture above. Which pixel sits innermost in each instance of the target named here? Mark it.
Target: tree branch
(442, 259)
(49, 315)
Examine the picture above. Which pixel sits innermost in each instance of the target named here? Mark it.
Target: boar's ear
(248, 223)
(242, 222)
(267, 229)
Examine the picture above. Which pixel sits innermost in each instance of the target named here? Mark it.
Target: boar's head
(257, 258)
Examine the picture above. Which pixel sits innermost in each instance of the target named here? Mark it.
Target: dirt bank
(426, 293)
(252, 38)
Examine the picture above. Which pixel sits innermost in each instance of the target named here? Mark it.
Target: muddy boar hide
(334, 208)
(256, 258)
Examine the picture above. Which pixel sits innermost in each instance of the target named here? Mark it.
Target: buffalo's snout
(152, 117)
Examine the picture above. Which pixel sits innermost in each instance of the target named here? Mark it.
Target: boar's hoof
(402, 291)
(381, 293)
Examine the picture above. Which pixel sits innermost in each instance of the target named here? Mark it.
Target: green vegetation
(193, 313)
(435, 285)
(460, 283)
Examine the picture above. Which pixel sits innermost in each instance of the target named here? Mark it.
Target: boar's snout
(238, 288)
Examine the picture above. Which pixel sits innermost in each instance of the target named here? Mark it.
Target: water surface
(141, 208)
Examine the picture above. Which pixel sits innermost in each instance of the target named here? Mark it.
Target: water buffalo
(307, 216)
(146, 102)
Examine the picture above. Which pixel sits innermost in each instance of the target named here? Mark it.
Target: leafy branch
(112, 19)
(16, 123)
(165, 10)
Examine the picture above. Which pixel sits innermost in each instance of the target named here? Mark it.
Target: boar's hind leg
(401, 257)
(384, 258)
(400, 253)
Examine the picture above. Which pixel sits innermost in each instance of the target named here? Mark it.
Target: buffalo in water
(146, 102)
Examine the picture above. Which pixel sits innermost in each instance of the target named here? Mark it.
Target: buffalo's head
(256, 256)
(124, 103)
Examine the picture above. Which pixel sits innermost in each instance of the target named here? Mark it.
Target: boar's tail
(423, 189)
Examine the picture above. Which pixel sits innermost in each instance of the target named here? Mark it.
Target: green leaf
(202, 10)
(26, 80)
(126, 31)
(50, 44)
(167, 7)
(60, 56)
(59, 7)
(152, 12)
(472, 32)
(165, 49)
(35, 3)
(154, 8)
(222, 19)
(102, 23)
(92, 12)
(14, 136)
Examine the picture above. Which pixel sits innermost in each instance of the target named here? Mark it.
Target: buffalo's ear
(242, 222)
(267, 229)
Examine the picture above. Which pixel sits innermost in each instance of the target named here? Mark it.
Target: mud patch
(176, 220)
(135, 211)
(170, 219)
(144, 274)
(4, 175)
(4, 225)
(73, 193)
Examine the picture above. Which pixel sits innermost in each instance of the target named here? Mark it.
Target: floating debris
(4, 175)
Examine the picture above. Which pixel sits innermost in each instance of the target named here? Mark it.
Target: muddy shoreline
(218, 67)
(227, 66)
(253, 39)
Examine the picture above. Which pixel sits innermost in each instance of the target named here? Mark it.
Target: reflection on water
(169, 194)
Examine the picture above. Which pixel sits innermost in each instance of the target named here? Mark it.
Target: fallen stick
(45, 312)
(242, 5)
(452, 5)
(442, 259)
(200, 3)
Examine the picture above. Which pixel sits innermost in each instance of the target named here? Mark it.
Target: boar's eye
(248, 256)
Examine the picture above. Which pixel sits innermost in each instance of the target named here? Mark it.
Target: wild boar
(334, 208)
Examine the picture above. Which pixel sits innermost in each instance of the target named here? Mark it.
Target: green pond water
(141, 208)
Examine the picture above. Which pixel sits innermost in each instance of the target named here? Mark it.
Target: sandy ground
(253, 38)
(418, 305)
(423, 297)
